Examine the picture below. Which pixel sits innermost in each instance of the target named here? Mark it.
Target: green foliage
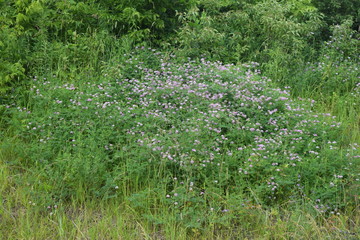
(285, 37)
(192, 148)
(209, 133)
(68, 37)
(336, 11)
(333, 80)
(336, 71)
(270, 32)
(11, 52)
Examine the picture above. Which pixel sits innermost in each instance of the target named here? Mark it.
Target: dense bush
(73, 36)
(207, 131)
(68, 37)
(275, 34)
(337, 11)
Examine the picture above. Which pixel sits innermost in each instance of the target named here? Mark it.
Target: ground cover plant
(100, 139)
(206, 141)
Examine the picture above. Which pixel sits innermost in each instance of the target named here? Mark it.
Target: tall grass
(113, 219)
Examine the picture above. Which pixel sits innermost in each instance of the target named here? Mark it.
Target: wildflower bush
(198, 137)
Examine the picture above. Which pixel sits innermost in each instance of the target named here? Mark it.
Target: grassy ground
(92, 219)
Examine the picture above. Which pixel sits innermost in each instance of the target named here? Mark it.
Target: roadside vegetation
(179, 119)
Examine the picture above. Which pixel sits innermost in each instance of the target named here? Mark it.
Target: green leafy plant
(206, 131)
(269, 32)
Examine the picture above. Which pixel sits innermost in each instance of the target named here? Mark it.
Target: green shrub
(68, 37)
(337, 11)
(204, 134)
(279, 35)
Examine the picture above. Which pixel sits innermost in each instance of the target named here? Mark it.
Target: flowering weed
(205, 137)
